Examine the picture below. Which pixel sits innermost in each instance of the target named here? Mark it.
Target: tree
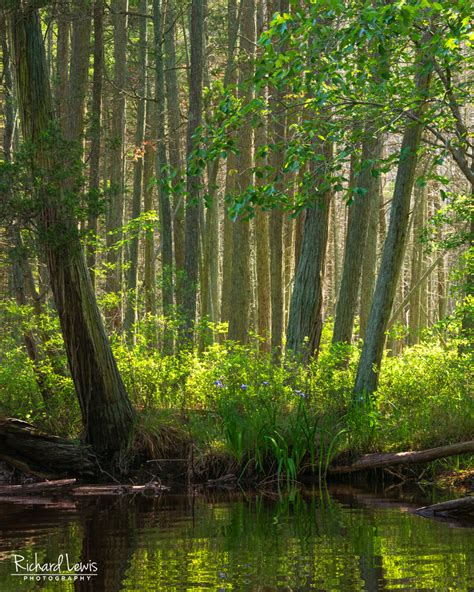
(191, 258)
(394, 247)
(106, 409)
(114, 218)
(239, 288)
(131, 303)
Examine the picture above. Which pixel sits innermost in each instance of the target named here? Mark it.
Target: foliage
(269, 418)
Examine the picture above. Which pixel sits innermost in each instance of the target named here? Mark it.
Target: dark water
(346, 540)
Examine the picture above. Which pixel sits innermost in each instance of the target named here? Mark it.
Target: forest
(235, 237)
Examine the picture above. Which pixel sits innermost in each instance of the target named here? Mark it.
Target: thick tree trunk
(240, 288)
(305, 322)
(394, 248)
(131, 301)
(62, 64)
(106, 410)
(79, 69)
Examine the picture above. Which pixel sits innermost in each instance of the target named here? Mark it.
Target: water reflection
(349, 540)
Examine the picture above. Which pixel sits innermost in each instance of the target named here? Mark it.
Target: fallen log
(33, 451)
(376, 461)
(463, 505)
(45, 487)
(71, 488)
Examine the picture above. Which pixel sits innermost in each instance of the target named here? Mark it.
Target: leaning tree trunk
(394, 248)
(106, 410)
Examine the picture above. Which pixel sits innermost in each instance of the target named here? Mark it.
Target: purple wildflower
(300, 394)
(244, 387)
(219, 383)
(265, 383)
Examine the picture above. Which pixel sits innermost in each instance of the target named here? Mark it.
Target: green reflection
(304, 541)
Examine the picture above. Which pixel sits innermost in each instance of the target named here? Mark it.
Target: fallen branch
(376, 461)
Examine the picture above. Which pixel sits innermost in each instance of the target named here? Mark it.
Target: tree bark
(240, 288)
(369, 260)
(191, 259)
(132, 301)
(114, 218)
(356, 239)
(162, 174)
(174, 145)
(95, 134)
(106, 410)
(305, 322)
(394, 248)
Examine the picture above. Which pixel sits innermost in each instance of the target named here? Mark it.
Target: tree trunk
(305, 322)
(394, 248)
(364, 201)
(414, 314)
(95, 134)
(106, 410)
(278, 132)
(114, 218)
(230, 77)
(240, 288)
(174, 145)
(132, 301)
(162, 174)
(191, 259)
(149, 281)
(369, 260)
(62, 64)
(79, 69)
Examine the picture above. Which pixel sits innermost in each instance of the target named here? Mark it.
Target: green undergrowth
(243, 411)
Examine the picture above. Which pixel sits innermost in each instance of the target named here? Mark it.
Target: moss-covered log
(33, 451)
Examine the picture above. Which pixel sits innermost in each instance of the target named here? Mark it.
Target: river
(344, 539)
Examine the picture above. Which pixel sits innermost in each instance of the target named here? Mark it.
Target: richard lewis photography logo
(61, 570)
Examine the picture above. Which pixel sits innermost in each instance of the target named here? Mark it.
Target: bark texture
(106, 410)
(394, 247)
